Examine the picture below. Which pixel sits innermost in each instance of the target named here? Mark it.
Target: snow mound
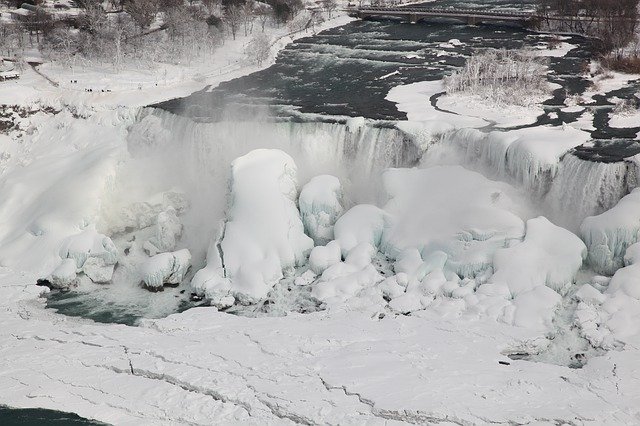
(549, 256)
(364, 223)
(210, 282)
(264, 237)
(320, 205)
(611, 319)
(322, 257)
(165, 268)
(608, 235)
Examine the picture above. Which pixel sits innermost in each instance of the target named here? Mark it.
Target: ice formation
(549, 256)
(321, 203)
(364, 223)
(168, 229)
(452, 210)
(264, 236)
(92, 253)
(165, 268)
(530, 157)
(608, 235)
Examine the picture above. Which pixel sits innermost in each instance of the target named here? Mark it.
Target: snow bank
(320, 205)
(264, 236)
(322, 257)
(415, 100)
(608, 235)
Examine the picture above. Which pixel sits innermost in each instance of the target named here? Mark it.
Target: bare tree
(143, 12)
(233, 17)
(329, 6)
(258, 48)
(248, 16)
(263, 12)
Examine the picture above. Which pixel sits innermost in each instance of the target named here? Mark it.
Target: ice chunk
(320, 206)
(89, 243)
(361, 255)
(608, 235)
(589, 294)
(165, 268)
(343, 281)
(98, 270)
(390, 288)
(64, 276)
(549, 255)
(264, 236)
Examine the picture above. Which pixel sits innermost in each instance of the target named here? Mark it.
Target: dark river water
(348, 71)
(41, 417)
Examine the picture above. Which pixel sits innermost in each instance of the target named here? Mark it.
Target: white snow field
(432, 272)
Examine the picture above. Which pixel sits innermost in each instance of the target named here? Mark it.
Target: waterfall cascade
(568, 188)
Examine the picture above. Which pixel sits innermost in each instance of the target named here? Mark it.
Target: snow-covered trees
(501, 76)
(173, 31)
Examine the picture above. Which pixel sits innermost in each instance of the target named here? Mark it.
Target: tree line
(113, 31)
(613, 22)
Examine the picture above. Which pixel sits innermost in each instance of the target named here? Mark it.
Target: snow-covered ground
(423, 297)
(137, 85)
(343, 367)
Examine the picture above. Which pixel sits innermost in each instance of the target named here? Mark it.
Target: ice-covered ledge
(330, 367)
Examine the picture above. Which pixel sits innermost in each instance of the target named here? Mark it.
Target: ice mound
(608, 312)
(535, 273)
(608, 235)
(320, 205)
(364, 223)
(89, 252)
(64, 276)
(549, 256)
(263, 239)
(165, 268)
(452, 210)
(89, 244)
(210, 282)
(322, 257)
(344, 280)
